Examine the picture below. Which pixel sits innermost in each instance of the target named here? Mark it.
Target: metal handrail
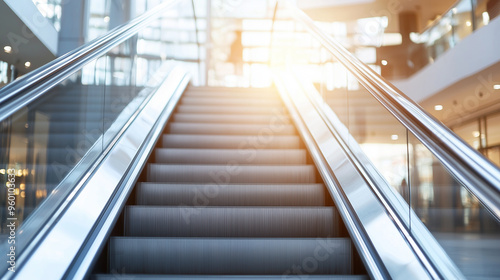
(20, 93)
(480, 176)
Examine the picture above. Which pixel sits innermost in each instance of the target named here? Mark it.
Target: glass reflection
(463, 227)
(52, 143)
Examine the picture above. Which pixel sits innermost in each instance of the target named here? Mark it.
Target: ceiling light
(384, 62)
(7, 49)
(438, 107)
(496, 87)
(476, 134)
(468, 23)
(486, 18)
(394, 137)
(106, 19)
(27, 64)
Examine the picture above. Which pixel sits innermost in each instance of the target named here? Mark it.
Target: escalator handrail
(23, 91)
(480, 176)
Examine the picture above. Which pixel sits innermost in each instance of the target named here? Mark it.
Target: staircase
(230, 191)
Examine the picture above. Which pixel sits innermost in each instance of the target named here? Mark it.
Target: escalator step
(231, 173)
(226, 277)
(231, 195)
(285, 222)
(252, 256)
(231, 142)
(221, 156)
(230, 129)
(244, 95)
(241, 110)
(230, 101)
(240, 119)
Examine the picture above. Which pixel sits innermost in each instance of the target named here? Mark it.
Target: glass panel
(381, 137)
(463, 227)
(51, 9)
(493, 130)
(49, 145)
(42, 149)
(469, 132)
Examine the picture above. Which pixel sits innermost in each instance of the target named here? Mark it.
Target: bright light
(7, 49)
(27, 64)
(476, 134)
(438, 107)
(106, 19)
(496, 87)
(384, 62)
(486, 18)
(468, 23)
(394, 137)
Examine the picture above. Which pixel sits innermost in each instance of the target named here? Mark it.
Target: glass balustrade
(421, 189)
(52, 143)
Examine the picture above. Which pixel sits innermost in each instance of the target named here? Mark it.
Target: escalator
(120, 170)
(231, 190)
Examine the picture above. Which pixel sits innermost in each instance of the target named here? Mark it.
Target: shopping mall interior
(264, 139)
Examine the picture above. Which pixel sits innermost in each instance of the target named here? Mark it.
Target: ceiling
(24, 41)
(343, 10)
(467, 99)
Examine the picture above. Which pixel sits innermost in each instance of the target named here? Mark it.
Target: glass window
(470, 133)
(493, 130)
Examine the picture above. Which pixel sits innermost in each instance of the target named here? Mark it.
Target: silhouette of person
(236, 54)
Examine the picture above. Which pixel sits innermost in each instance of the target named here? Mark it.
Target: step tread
(224, 156)
(224, 277)
(231, 195)
(271, 119)
(231, 173)
(253, 256)
(231, 129)
(188, 221)
(231, 141)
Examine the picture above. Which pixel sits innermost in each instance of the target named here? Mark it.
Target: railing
(461, 20)
(59, 121)
(437, 179)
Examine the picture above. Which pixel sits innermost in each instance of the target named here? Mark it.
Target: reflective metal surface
(398, 258)
(20, 93)
(65, 239)
(426, 177)
(396, 203)
(472, 169)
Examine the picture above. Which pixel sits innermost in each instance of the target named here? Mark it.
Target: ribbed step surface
(198, 109)
(231, 173)
(270, 119)
(252, 256)
(213, 156)
(230, 129)
(230, 102)
(231, 221)
(231, 142)
(230, 193)
(224, 277)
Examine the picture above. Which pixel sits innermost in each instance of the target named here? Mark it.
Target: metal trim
(20, 93)
(480, 176)
(433, 255)
(386, 241)
(65, 239)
